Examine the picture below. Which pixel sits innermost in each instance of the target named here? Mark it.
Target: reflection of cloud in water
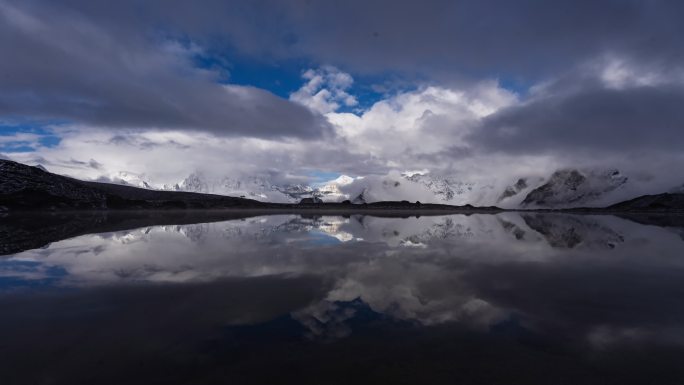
(325, 320)
(476, 270)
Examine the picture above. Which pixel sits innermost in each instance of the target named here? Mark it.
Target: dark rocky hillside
(660, 202)
(24, 187)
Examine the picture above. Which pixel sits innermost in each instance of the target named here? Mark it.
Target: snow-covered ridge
(563, 188)
(572, 187)
(254, 187)
(131, 179)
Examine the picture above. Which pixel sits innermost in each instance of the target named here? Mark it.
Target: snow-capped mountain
(253, 187)
(571, 187)
(260, 188)
(445, 188)
(514, 189)
(423, 187)
(563, 188)
(130, 179)
(332, 191)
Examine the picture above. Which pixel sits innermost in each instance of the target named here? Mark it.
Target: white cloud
(325, 90)
(425, 121)
(20, 138)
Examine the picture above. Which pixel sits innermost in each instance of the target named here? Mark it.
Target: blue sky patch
(23, 136)
(318, 176)
(283, 77)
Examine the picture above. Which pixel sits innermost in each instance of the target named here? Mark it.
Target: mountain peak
(514, 190)
(572, 187)
(343, 180)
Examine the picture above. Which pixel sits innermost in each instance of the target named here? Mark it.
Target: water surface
(511, 298)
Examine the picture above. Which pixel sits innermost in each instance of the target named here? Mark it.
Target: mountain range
(27, 187)
(564, 188)
(261, 188)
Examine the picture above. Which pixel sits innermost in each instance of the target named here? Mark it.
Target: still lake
(510, 298)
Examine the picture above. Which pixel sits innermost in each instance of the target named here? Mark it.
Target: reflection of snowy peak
(443, 229)
(567, 232)
(572, 187)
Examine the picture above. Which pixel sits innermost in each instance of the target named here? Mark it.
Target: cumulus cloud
(325, 90)
(436, 118)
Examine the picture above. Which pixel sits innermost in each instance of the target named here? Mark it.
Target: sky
(305, 90)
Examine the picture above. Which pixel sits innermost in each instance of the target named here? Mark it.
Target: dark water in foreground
(482, 299)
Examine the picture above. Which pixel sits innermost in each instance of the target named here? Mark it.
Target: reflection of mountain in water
(445, 229)
(512, 228)
(569, 231)
(558, 230)
(26, 231)
(332, 320)
(471, 270)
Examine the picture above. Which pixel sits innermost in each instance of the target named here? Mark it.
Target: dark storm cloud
(64, 64)
(528, 38)
(522, 37)
(589, 118)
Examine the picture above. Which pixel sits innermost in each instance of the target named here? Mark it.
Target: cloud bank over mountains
(475, 91)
